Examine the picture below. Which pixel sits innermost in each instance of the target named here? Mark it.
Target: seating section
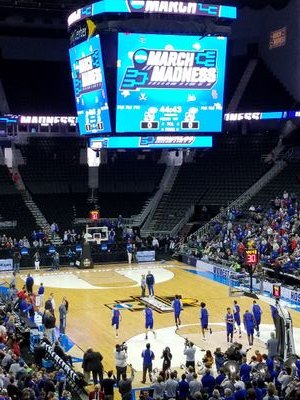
(288, 179)
(216, 178)
(38, 87)
(12, 207)
(6, 183)
(53, 165)
(131, 172)
(234, 71)
(265, 92)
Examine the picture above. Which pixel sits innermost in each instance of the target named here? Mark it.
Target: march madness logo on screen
(171, 69)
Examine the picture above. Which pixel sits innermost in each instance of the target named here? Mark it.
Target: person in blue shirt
(274, 313)
(150, 283)
(245, 370)
(149, 323)
(203, 319)
(29, 283)
(208, 382)
(183, 388)
(177, 307)
(257, 312)
(148, 357)
(229, 325)
(237, 316)
(220, 378)
(41, 292)
(249, 326)
(116, 318)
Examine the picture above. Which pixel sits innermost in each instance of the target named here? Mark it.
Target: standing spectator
(189, 352)
(208, 382)
(148, 357)
(158, 388)
(155, 243)
(49, 303)
(125, 386)
(183, 388)
(195, 386)
(96, 394)
(129, 251)
(120, 361)
(37, 260)
(150, 283)
(92, 362)
(16, 261)
(166, 357)
(41, 292)
(107, 386)
(272, 346)
(219, 358)
(171, 387)
(29, 283)
(13, 282)
(49, 325)
(143, 286)
(62, 317)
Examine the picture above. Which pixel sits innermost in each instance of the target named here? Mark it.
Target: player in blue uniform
(116, 318)
(203, 319)
(249, 326)
(229, 319)
(237, 316)
(177, 307)
(149, 323)
(256, 311)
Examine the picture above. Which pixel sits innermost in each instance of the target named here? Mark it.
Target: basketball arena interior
(149, 199)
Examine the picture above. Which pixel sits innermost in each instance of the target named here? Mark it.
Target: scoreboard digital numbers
(170, 83)
(89, 87)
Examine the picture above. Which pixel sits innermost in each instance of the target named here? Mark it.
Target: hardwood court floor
(91, 293)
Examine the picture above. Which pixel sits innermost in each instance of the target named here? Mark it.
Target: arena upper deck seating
(53, 165)
(265, 92)
(216, 178)
(287, 179)
(12, 207)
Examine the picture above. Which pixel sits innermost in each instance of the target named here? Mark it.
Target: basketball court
(93, 293)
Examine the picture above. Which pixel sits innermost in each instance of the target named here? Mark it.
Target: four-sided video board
(170, 83)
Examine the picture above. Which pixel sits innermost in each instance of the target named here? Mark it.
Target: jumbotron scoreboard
(149, 69)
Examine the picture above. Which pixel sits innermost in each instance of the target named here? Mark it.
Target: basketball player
(177, 307)
(256, 310)
(149, 321)
(203, 319)
(116, 318)
(237, 316)
(229, 319)
(249, 326)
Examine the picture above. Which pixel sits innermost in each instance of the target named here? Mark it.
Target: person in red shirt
(22, 294)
